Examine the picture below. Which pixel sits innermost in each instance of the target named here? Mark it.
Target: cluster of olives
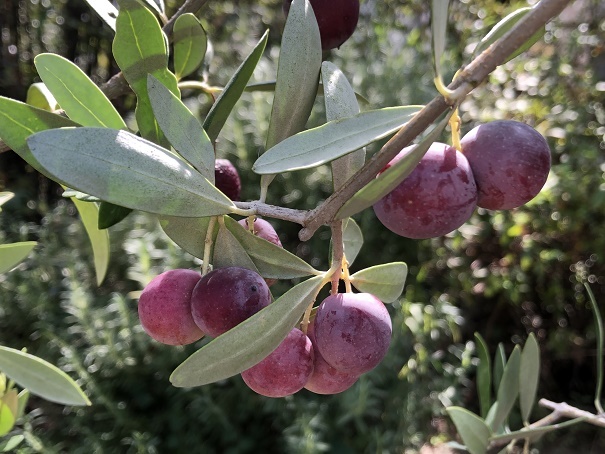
(349, 335)
(502, 165)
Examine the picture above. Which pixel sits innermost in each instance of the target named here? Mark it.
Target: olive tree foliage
(167, 170)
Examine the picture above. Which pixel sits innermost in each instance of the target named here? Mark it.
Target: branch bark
(475, 73)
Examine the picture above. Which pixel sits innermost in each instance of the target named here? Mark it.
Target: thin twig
(475, 73)
(564, 410)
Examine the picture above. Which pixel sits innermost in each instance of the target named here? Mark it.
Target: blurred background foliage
(503, 274)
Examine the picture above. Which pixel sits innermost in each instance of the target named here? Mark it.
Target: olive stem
(208, 245)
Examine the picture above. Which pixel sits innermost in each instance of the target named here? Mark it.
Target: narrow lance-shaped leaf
(384, 281)
(332, 140)
(181, 128)
(13, 254)
(40, 377)
(7, 418)
(99, 239)
(249, 342)
(390, 178)
(229, 252)
(502, 27)
(38, 95)
(121, 168)
(341, 102)
(188, 233)
(352, 237)
(216, 118)
(272, 261)
(106, 11)
(530, 375)
(139, 49)
(81, 99)
(18, 121)
(439, 14)
(190, 43)
(10, 444)
(110, 214)
(297, 76)
(508, 389)
(471, 428)
(484, 375)
(5, 196)
(499, 364)
(600, 344)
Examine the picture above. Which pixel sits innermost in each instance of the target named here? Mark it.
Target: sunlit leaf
(216, 118)
(10, 444)
(508, 389)
(7, 419)
(106, 11)
(341, 102)
(297, 76)
(99, 239)
(188, 233)
(484, 375)
(156, 5)
(127, 170)
(77, 95)
(110, 214)
(13, 254)
(190, 43)
(332, 140)
(502, 27)
(352, 237)
(390, 178)
(18, 121)
(384, 281)
(181, 128)
(272, 261)
(471, 428)
(40, 377)
(38, 95)
(11, 400)
(530, 375)
(229, 252)
(139, 49)
(5, 196)
(249, 342)
(439, 16)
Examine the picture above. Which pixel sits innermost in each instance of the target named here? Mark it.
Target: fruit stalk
(467, 80)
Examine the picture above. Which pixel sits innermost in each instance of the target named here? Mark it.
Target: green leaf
(341, 102)
(352, 237)
(384, 281)
(499, 364)
(216, 118)
(5, 196)
(471, 428)
(38, 95)
(272, 261)
(530, 375)
(23, 398)
(390, 178)
(77, 95)
(99, 239)
(7, 419)
(508, 389)
(439, 16)
(534, 433)
(11, 400)
(502, 27)
(249, 342)
(11, 444)
(297, 73)
(297, 76)
(139, 49)
(484, 375)
(106, 11)
(190, 43)
(127, 170)
(188, 233)
(12, 254)
(332, 140)
(40, 377)
(229, 252)
(181, 128)
(600, 341)
(110, 215)
(18, 121)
